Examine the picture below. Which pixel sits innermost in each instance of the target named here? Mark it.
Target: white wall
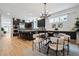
(67, 26)
(0, 26)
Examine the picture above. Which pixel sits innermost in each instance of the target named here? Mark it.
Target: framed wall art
(53, 25)
(60, 25)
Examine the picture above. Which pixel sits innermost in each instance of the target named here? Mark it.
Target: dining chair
(66, 39)
(67, 42)
(37, 42)
(57, 44)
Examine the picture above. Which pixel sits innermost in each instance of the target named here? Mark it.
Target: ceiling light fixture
(44, 14)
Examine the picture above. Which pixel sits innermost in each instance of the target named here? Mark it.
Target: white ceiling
(24, 10)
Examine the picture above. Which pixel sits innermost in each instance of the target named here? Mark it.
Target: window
(63, 18)
(58, 19)
(51, 20)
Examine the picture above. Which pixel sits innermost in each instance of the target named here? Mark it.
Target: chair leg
(63, 51)
(48, 50)
(68, 50)
(57, 48)
(39, 47)
(56, 52)
(41, 44)
(32, 46)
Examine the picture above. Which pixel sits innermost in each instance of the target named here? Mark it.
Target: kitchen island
(29, 33)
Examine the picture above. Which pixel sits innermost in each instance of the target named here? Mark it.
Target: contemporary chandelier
(44, 15)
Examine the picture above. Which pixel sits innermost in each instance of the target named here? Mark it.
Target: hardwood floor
(13, 46)
(17, 47)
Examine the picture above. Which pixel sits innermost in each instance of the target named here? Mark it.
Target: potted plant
(77, 29)
(77, 25)
(3, 31)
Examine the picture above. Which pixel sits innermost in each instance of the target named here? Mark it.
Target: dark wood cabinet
(41, 23)
(15, 26)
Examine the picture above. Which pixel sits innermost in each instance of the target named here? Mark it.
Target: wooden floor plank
(13, 46)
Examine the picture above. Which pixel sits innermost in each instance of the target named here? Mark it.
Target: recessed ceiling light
(30, 13)
(8, 13)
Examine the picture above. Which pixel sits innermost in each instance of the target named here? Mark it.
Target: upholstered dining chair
(56, 44)
(37, 42)
(67, 42)
(66, 39)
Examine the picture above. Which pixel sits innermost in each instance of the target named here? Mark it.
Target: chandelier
(45, 13)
